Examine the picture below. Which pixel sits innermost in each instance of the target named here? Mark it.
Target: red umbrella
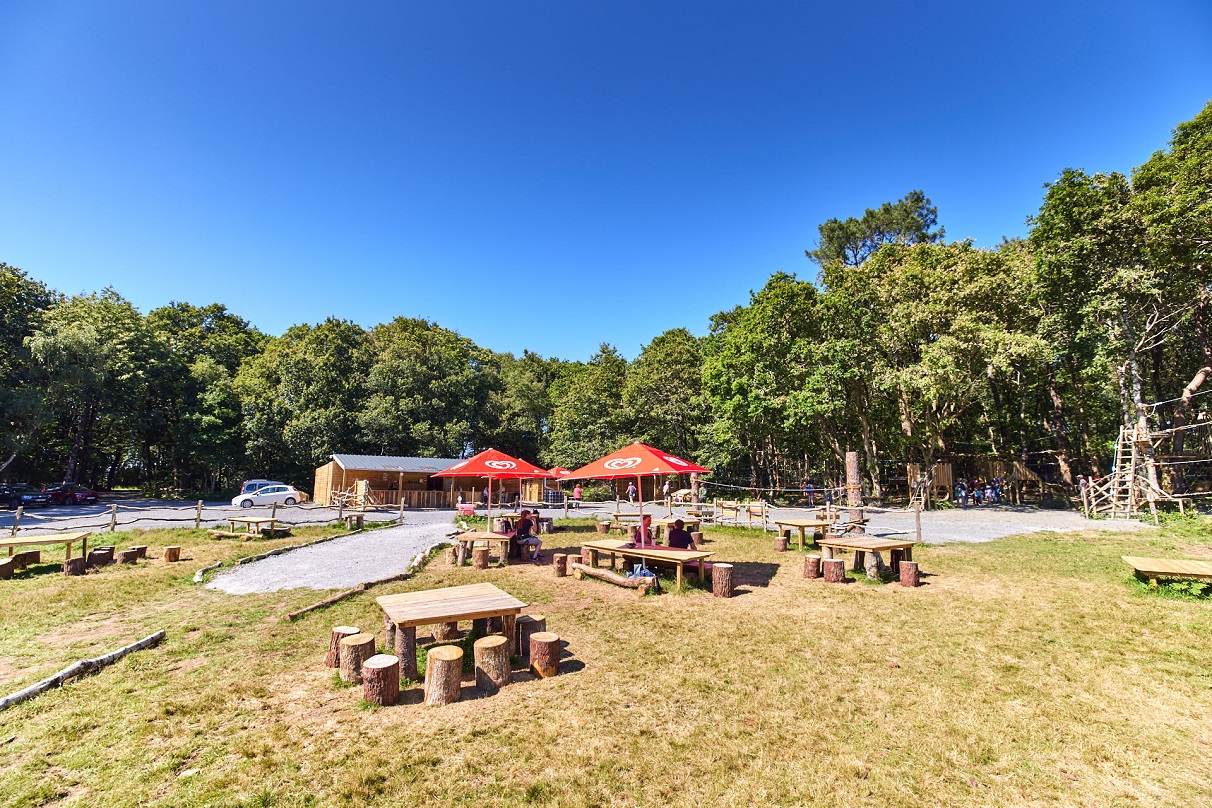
(559, 472)
(637, 460)
(490, 463)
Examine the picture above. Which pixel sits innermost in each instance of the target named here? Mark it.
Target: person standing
(631, 492)
(577, 493)
(810, 494)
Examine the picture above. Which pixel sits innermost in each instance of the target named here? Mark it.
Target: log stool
(98, 558)
(587, 556)
(140, 550)
(333, 658)
(73, 566)
(445, 632)
(128, 556)
(545, 654)
(603, 527)
(452, 556)
(527, 625)
(406, 652)
(632, 532)
(172, 554)
(721, 580)
(23, 560)
(812, 566)
(443, 674)
(492, 663)
(6, 569)
(479, 558)
(354, 651)
(560, 562)
(909, 573)
(780, 544)
(697, 537)
(381, 680)
(835, 570)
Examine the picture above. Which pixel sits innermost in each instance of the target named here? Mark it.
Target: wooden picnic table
(63, 538)
(690, 523)
(1154, 568)
(668, 555)
(862, 544)
(472, 536)
(253, 525)
(803, 524)
(407, 610)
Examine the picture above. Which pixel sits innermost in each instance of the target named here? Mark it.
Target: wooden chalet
(386, 479)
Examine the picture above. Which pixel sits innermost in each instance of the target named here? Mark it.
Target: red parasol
(490, 463)
(637, 460)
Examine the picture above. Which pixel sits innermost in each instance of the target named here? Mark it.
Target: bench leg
(859, 558)
(908, 553)
(680, 565)
(509, 627)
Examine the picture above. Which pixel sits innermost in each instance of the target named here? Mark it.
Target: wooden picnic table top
(448, 605)
(1187, 567)
(252, 520)
(796, 522)
(866, 543)
(62, 538)
(481, 535)
(669, 520)
(657, 553)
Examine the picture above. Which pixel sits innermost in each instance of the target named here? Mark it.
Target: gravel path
(341, 563)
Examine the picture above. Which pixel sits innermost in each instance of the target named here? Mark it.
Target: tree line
(904, 347)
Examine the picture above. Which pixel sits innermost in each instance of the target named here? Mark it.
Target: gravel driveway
(341, 563)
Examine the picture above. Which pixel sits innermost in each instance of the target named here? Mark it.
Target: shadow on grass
(753, 573)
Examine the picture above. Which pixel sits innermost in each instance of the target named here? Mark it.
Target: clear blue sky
(545, 175)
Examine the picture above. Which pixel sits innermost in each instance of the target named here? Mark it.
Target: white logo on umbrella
(677, 461)
(458, 465)
(500, 464)
(620, 463)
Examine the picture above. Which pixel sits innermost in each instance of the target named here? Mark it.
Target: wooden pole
(198, 516)
(854, 486)
(400, 491)
(17, 520)
(917, 521)
(113, 517)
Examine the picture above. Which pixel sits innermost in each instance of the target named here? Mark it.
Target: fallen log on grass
(200, 575)
(643, 584)
(79, 669)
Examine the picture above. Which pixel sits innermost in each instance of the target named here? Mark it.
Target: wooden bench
(899, 550)
(354, 521)
(1171, 568)
(67, 539)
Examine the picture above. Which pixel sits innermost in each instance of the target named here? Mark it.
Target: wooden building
(390, 479)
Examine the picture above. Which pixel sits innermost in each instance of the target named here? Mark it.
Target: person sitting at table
(680, 538)
(523, 534)
(643, 534)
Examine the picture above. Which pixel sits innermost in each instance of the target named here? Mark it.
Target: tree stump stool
(632, 532)
(525, 626)
(873, 565)
(545, 654)
(452, 556)
(333, 658)
(73, 566)
(603, 527)
(835, 570)
(128, 556)
(560, 562)
(492, 663)
(722, 580)
(381, 680)
(406, 652)
(445, 632)
(140, 550)
(587, 556)
(780, 544)
(6, 569)
(25, 559)
(826, 553)
(443, 674)
(909, 573)
(99, 557)
(172, 554)
(479, 558)
(812, 566)
(697, 537)
(354, 651)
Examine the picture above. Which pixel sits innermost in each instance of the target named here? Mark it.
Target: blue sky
(545, 175)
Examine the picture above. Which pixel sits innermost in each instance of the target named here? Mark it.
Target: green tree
(588, 419)
(663, 393)
(22, 390)
(852, 241)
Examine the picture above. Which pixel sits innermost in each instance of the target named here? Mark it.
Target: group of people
(679, 537)
(978, 492)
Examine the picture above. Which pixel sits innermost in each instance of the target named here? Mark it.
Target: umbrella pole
(489, 528)
(640, 485)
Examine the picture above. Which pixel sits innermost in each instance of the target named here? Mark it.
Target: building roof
(422, 465)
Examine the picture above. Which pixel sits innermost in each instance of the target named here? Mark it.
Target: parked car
(70, 494)
(255, 485)
(280, 493)
(23, 494)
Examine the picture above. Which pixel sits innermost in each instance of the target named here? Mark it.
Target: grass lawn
(1027, 671)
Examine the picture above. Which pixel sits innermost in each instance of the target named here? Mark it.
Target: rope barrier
(1180, 398)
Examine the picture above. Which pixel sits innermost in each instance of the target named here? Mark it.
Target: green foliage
(852, 241)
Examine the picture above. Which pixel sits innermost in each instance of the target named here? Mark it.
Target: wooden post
(479, 558)
(17, 520)
(917, 521)
(873, 565)
(354, 651)
(381, 680)
(72, 566)
(406, 652)
(835, 570)
(172, 554)
(389, 635)
(854, 485)
(895, 557)
(721, 580)
(400, 488)
(443, 674)
(909, 573)
(198, 516)
(526, 625)
(560, 562)
(492, 663)
(273, 510)
(333, 658)
(445, 632)
(812, 566)
(545, 654)
(113, 517)
(452, 556)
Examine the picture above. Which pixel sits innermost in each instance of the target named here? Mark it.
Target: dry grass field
(1027, 671)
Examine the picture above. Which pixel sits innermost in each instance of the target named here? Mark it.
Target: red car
(70, 494)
